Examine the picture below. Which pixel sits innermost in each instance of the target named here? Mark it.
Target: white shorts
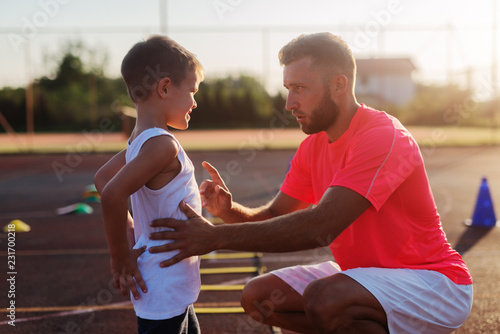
(415, 301)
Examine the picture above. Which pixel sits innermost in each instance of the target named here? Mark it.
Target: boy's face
(182, 102)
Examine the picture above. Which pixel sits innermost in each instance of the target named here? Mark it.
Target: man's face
(309, 97)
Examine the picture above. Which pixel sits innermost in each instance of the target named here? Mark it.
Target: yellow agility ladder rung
(218, 307)
(212, 310)
(220, 256)
(222, 287)
(229, 270)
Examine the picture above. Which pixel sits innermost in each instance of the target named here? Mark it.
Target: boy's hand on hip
(125, 270)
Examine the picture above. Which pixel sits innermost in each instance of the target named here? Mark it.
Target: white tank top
(172, 289)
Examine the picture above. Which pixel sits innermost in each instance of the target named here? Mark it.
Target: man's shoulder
(379, 121)
(371, 117)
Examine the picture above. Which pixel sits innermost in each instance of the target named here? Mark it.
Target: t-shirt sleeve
(378, 161)
(298, 182)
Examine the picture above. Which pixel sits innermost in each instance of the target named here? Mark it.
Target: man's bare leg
(339, 304)
(269, 300)
(334, 304)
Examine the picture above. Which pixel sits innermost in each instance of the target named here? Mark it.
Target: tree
(441, 106)
(13, 106)
(232, 103)
(76, 94)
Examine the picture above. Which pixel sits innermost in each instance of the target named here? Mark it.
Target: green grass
(58, 149)
(425, 136)
(455, 136)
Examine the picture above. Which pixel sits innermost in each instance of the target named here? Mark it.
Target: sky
(444, 38)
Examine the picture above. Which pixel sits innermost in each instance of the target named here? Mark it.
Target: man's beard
(323, 116)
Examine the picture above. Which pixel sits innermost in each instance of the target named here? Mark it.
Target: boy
(162, 78)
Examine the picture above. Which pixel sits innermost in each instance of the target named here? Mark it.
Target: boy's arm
(104, 175)
(109, 170)
(155, 156)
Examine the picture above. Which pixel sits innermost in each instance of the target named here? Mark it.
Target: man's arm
(304, 229)
(217, 199)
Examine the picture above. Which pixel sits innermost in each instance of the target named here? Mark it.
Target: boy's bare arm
(155, 156)
(104, 175)
(109, 170)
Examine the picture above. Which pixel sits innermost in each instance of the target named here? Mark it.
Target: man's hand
(124, 271)
(195, 236)
(215, 196)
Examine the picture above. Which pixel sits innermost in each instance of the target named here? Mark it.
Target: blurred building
(385, 81)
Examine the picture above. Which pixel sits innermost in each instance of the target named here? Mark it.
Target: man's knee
(262, 295)
(267, 294)
(336, 303)
(319, 307)
(251, 293)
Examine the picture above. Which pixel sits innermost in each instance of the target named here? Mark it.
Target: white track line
(68, 313)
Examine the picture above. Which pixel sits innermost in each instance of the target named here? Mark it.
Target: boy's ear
(163, 86)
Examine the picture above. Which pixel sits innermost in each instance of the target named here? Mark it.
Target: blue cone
(484, 213)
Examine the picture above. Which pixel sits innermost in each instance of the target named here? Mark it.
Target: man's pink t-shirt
(379, 159)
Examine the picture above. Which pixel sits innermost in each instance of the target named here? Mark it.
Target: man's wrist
(232, 215)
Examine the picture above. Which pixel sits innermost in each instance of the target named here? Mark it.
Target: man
(371, 201)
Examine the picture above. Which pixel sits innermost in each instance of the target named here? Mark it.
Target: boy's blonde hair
(151, 60)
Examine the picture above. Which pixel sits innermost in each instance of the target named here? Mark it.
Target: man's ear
(338, 85)
(163, 87)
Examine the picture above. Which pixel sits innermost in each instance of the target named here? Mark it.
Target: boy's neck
(148, 117)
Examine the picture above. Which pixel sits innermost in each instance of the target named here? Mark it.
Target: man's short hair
(327, 51)
(151, 60)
